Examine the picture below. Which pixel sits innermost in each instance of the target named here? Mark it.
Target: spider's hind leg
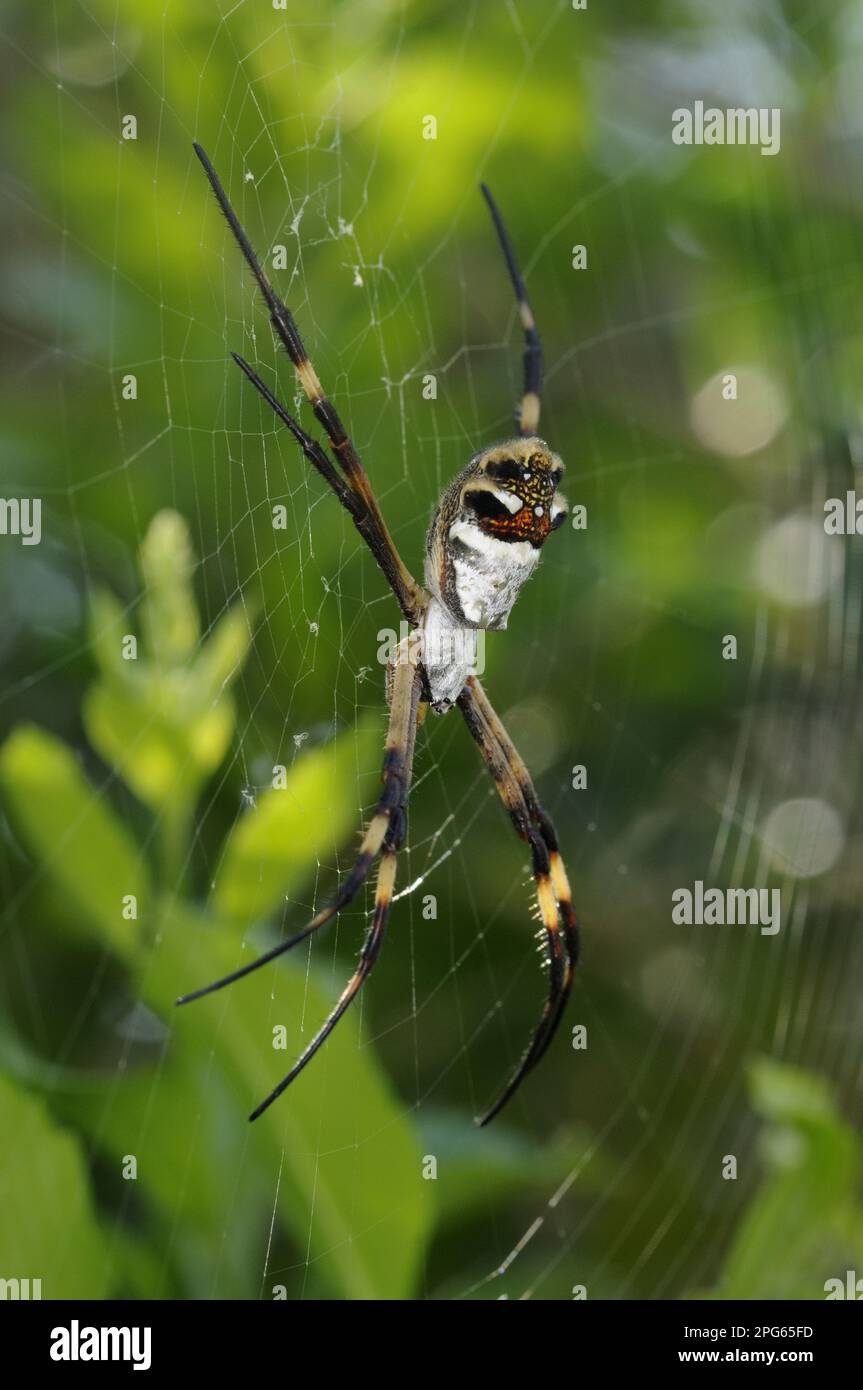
(368, 956)
(388, 823)
(533, 825)
(543, 822)
(400, 750)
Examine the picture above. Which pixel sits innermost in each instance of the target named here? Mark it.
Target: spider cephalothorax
(511, 490)
(484, 542)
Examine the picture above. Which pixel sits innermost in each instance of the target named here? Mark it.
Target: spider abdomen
(449, 654)
(487, 573)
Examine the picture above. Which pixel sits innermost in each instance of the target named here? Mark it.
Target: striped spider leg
(527, 416)
(355, 493)
(483, 543)
(385, 836)
(386, 833)
(532, 824)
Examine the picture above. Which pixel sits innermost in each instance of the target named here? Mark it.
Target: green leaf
(222, 655)
(339, 1149)
(203, 1216)
(108, 625)
(161, 743)
(485, 1166)
(137, 1269)
(49, 1229)
(797, 1230)
(338, 1146)
(164, 721)
(73, 834)
(169, 612)
(789, 1095)
(275, 846)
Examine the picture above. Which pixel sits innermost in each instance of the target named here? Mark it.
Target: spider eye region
(514, 493)
(520, 512)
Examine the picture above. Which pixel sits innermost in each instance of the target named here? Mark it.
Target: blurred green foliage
(805, 1222)
(177, 695)
(256, 647)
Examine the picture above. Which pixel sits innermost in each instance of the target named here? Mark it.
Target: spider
(484, 542)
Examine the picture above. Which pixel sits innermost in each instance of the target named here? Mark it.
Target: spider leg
(545, 825)
(393, 839)
(528, 412)
(348, 498)
(411, 596)
(548, 882)
(310, 447)
(368, 956)
(387, 826)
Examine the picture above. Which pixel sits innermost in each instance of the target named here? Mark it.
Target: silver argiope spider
(483, 543)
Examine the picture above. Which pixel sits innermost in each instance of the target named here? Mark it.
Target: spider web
(626, 1137)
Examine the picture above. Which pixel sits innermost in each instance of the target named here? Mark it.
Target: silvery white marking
(490, 574)
(449, 653)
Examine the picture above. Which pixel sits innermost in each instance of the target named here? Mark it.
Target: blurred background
(199, 613)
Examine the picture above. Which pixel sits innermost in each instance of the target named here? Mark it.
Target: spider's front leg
(352, 485)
